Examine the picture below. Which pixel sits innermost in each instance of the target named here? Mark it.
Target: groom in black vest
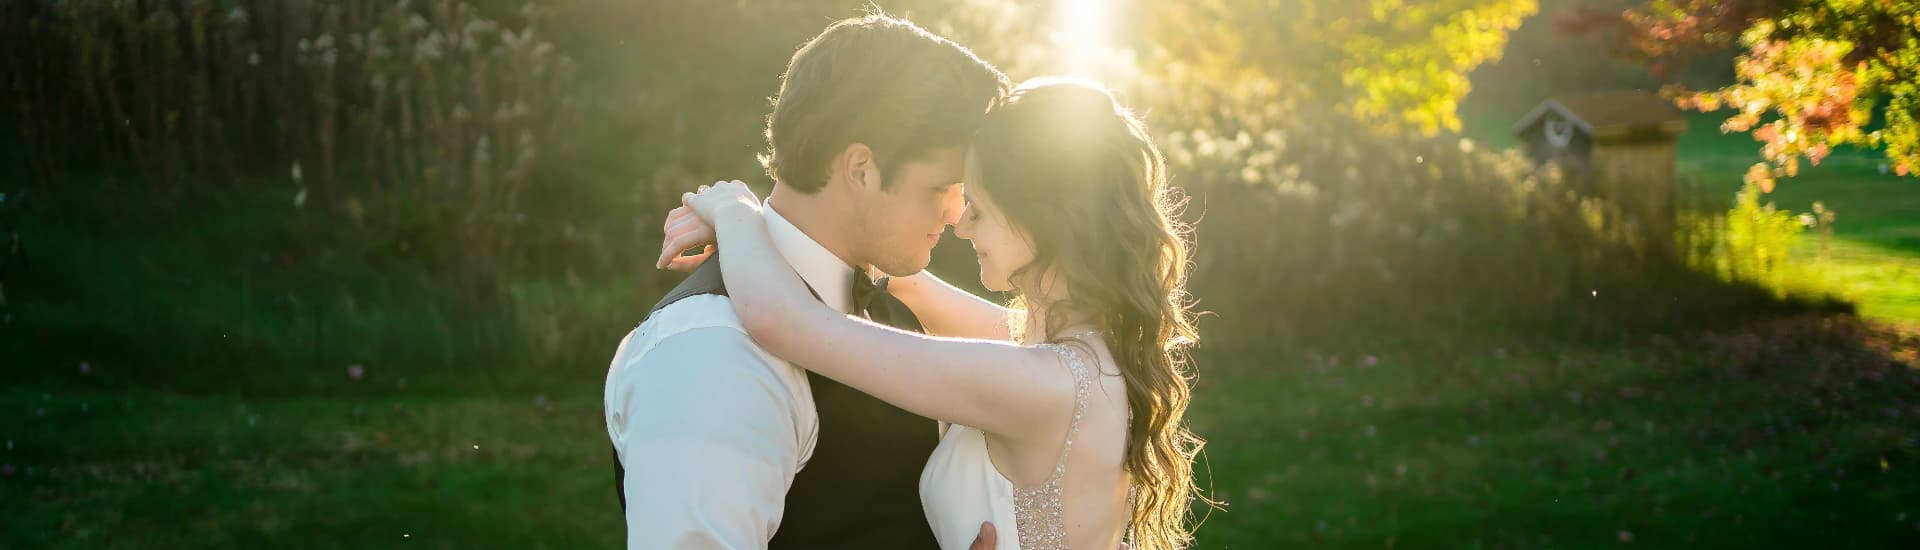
(720, 445)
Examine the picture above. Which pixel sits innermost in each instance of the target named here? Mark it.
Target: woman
(1066, 411)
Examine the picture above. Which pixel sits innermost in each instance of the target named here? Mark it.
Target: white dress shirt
(710, 428)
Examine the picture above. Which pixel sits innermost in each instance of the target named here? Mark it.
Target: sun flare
(1082, 34)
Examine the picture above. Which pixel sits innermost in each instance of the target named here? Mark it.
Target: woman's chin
(994, 284)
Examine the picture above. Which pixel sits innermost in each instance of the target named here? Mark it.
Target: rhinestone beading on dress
(1037, 510)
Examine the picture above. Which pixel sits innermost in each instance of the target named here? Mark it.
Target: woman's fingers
(676, 214)
(667, 252)
(675, 242)
(669, 228)
(679, 242)
(685, 224)
(686, 227)
(693, 226)
(683, 230)
(686, 264)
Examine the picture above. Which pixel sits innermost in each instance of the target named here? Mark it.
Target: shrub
(426, 118)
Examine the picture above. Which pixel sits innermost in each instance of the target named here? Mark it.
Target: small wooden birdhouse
(1618, 146)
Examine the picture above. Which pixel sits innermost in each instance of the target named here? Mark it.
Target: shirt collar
(831, 278)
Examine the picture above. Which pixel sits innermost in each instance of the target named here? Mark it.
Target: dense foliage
(1812, 75)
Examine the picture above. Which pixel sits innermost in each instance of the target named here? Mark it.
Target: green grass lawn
(374, 468)
(1791, 434)
(1662, 443)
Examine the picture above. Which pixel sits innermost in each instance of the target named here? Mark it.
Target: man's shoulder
(690, 371)
(694, 343)
(696, 337)
(691, 317)
(699, 311)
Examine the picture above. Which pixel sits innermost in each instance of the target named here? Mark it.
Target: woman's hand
(712, 203)
(685, 231)
(686, 227)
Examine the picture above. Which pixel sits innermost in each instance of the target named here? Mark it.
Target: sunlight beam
(1082, 34)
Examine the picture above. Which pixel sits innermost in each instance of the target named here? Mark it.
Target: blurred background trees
(508, 163)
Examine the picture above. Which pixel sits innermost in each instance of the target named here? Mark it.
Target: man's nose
(951, 211)
(962, 229)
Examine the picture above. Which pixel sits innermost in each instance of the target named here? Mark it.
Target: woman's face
(1001, 250)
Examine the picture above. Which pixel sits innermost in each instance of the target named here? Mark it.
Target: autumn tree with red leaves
(1810, 78)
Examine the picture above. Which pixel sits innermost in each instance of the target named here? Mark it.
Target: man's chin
(907, 270)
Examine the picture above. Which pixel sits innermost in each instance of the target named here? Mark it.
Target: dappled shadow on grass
(1794, 431)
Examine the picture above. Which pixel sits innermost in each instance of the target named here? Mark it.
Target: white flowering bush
(1308, 219)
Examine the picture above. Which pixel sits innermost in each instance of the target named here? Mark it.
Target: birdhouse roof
(1609, 112)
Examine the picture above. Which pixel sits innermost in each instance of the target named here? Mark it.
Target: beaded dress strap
(1038, 511)
(1082, 381)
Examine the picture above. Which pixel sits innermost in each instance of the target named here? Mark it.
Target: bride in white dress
(1063, 416)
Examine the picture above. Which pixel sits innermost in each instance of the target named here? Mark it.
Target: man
(720, 445)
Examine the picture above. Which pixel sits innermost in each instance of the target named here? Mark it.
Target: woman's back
(1068, 491)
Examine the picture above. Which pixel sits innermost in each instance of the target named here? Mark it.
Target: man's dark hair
(877, 80)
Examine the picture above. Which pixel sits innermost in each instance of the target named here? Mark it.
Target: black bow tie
(865, 290)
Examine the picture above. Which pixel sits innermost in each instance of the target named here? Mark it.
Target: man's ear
(859, 168)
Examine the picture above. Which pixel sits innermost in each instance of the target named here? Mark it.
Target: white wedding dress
(960, 487)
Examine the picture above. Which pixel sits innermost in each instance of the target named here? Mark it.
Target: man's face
(901, 223)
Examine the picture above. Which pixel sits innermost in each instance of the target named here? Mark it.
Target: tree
(1813, 70)
(1399, 63)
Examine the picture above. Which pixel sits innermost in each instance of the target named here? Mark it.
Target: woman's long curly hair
(1078, 176)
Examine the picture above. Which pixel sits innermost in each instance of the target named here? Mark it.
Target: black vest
(861, 488)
